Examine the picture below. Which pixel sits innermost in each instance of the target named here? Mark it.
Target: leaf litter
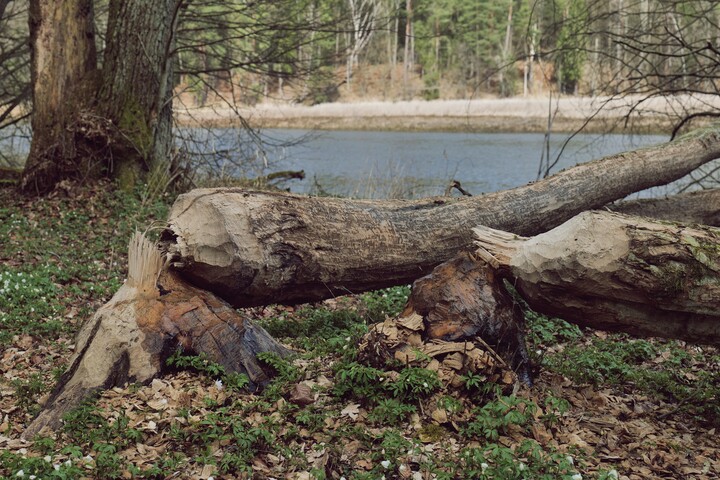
(611, 428)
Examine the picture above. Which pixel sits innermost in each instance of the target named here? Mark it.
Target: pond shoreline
(509, 115)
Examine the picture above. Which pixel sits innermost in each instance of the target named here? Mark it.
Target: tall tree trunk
(63, 60)
(113, 122)
(136, 89)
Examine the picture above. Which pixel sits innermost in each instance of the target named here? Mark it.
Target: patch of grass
(414, 383)
(318, 330)
(27, 391)
(390, 411)
(496, 417)
(64, 253)
(233, 381)
(603, 360)
(361, 382)
(388, 302)
(544, 330)
(661, 370)
(529, 460)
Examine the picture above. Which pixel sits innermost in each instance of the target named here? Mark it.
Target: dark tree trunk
(114, 122)
(136, 85)
(63, 61)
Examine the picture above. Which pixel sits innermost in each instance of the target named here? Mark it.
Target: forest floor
(605, 406)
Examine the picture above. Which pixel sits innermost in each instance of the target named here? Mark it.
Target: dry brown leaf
(351, 411)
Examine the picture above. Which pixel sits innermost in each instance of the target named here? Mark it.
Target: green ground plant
(660, 369)
(71, 255)
(201, 363)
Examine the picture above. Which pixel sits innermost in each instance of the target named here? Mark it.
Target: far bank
(519, 114)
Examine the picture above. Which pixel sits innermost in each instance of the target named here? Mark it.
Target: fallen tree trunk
(254, 248)
(130, 338)
(618, 273)
(701, 207)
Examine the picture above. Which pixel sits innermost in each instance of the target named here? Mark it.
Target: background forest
(318, 50)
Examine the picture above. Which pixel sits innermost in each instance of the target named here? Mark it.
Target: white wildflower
(20, 473)
(577, 476)
(68, 463)
(385, 463)
(218, 384)
(47, 458)
(484, 466)
(613, 474)
(570, 460)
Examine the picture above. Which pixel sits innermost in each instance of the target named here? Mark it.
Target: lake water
(369, 164)
(412, 164)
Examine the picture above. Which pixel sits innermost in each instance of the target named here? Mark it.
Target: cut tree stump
(254, 248)
(618, 273)
(458, 319)
(129, 339)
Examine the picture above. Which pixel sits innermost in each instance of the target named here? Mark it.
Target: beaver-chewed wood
(618, 273)
(130, 338)
(253, 247)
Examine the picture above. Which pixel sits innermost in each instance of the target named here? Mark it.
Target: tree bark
(254, 248)
(63, 58)
(88, 122)
(137, 82)
(618, 273)
(131, 337)
(701, 207)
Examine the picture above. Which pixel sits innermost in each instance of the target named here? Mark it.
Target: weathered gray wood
(616, 272)
(701, 207)
(253, 247)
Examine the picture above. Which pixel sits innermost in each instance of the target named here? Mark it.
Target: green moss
(135, 126)
(432, 433)
(706, 253)
(137, 143)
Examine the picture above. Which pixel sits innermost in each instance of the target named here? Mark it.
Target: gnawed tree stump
(129, 339)
(458, 319)
(254, 248)
(618, 273)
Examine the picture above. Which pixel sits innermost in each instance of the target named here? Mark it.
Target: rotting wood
(254, 248)
(618, 273)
